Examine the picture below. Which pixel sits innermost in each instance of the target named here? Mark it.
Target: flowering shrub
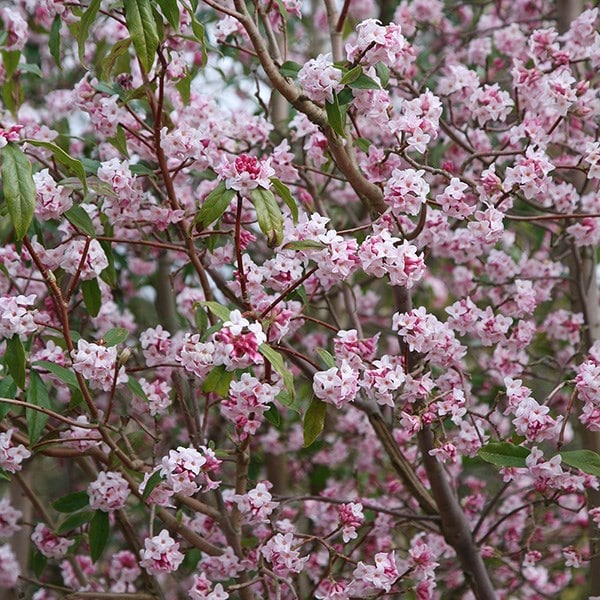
(311, 291)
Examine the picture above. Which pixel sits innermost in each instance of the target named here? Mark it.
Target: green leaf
(37, 394)
(214, 205)
(314, 420)
(326, 358)
(98, 534)
(290, 69)
(335, 116)
(383, 72)
(352, 75)
(218, 381)
(286, 399)
(200, 34)
(137, 389)
(92, 296)
(54, 40)
(10, 60)
(585, 460)
(74, 166)
(143, 30)
(71, 502)
(80, 219)
(88, 17)
(283, 191)
(364, 82)
(363, 144)
(304, 245)
(61, 373)
(4, 475)
(153, 481)
(8, 389)
(14, 357)
(115, 336)
(280, 367)
(184, 87)
(19, 188)
(119, 141)
(268, 213)
(108, 64)
(109, 275)
(38, 563)
(504, 454)
(75, 521)
(217, 309)
(272, 415)
(170, 10)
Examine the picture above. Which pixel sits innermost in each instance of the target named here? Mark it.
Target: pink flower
(319, 79)
(9, 567)
(161, 554)
(98, 365)
(351, 518)
(187, 470)
(406, 191)
(257, 504)
(108, 492)
(245, 173)
(49, 544)
(11, 455)
(283, 557)
(17, 317)
(9, 518)
(336, 386)
(382, 574)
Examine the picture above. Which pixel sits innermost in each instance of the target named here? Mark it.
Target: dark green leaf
(214, 205)
(326, 358)
(75, 521)
(119, 141)
(151, 484)
(170, 10)
(184, 87)
(290, 69)
(364, 82)
(335, 116)
(109, 275)
(54, 40)
(352, 75)
(18, 187)
(304, 245)
(38, 563)
(37, 394)
(14, 357)
(61, 373)
(286, 399)
(363, 144)
(314, 420)
(268, 213)
(88, 17)
(119, 49)
(283, 191)
(4, 475)
(92, 296)
(585, 460)
(98, 534)
(143, 30)
(218, 381)
(71, 502)
(504, 454)
(272, 415)
(80, 219)
(8, 389)
(383, 72)
(115, 336)
(200, 34)
(10, 61)
(280, 367)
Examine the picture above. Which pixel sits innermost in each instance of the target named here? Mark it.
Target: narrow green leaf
(170, 10)
(200, 34)
(37, 394)
(184, 87)
(54, 40)
(214, 205)
(218, 381)
(19, 188)
(119, 141)
(304, 245)
(286, 399)
(8, 389)
(217, 309)
(280, 367)
(115, 336)
(75, 521)
(364, 82)
(143, 30)
(363, 144)
(314, 420)
(335, 116)
(38, 563)
(352, 75)
(92, 296)
(109, 275)
(119, 49)
(272, 415)
(98, 534)
(14, 357)
(383, 72)
(268, 213)
(283, 191)
(71, 502)
(326, 358)
(10, 61)
(87, 18)
(59, 372)
(585, 460)
(153, 481)
(504, 454)
(137, 389)
(290, 69)
(78, 217)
